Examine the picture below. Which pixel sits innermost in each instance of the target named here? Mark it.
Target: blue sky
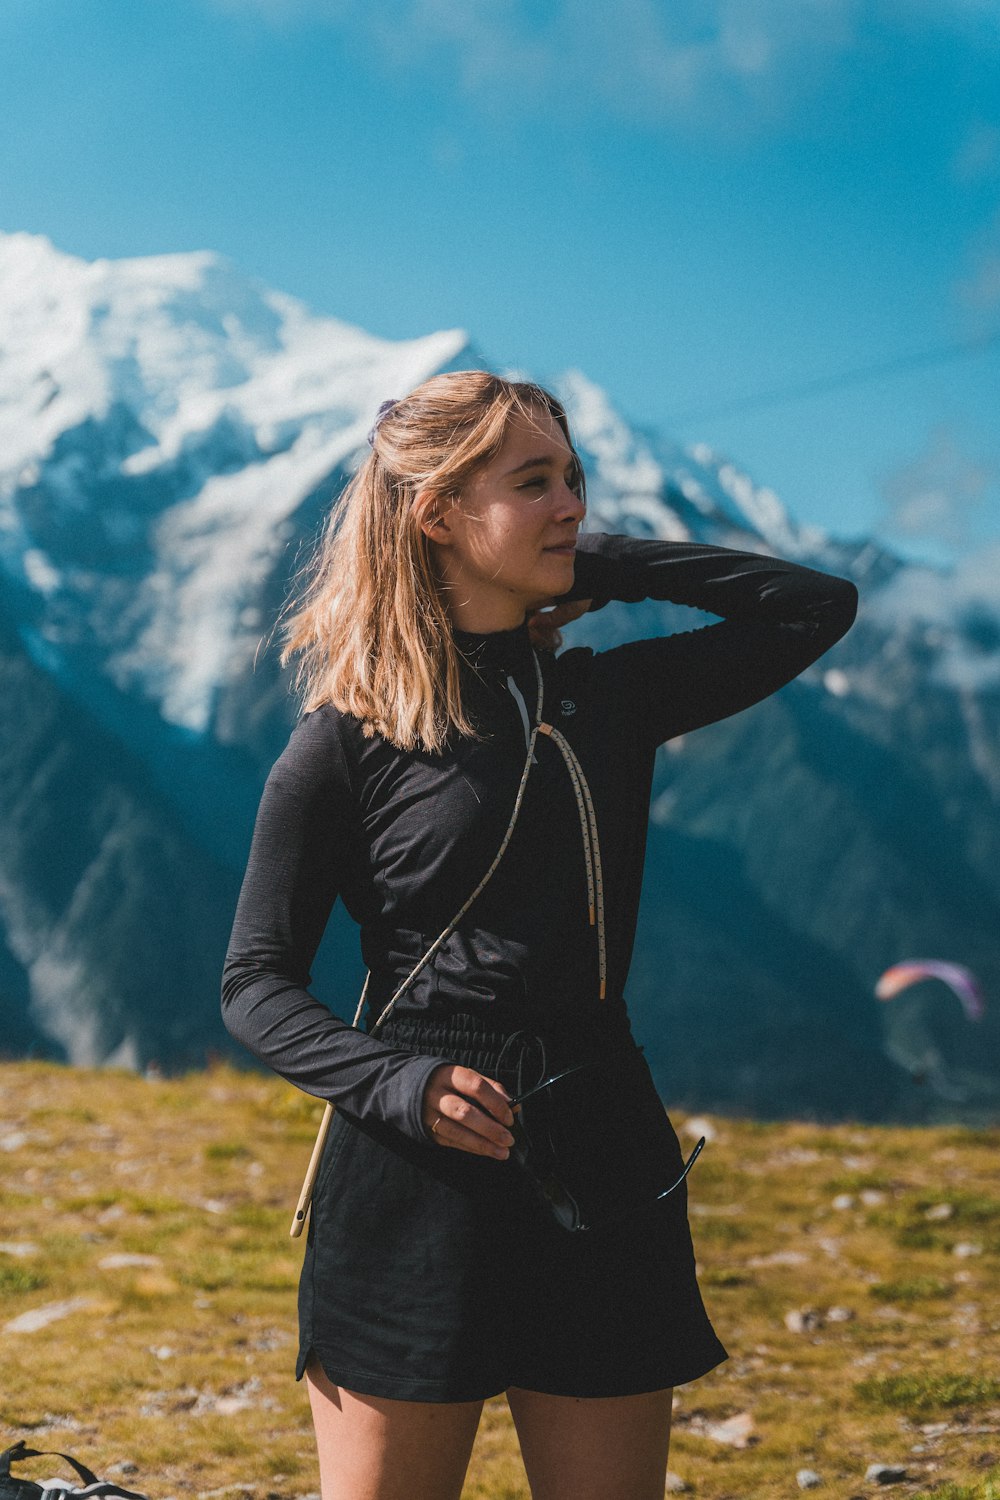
(697, 204)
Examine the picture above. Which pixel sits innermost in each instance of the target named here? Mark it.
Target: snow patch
(39, 571)
(954, 612)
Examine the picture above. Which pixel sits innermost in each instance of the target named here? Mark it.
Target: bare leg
(371, 1448)
(594, 1447)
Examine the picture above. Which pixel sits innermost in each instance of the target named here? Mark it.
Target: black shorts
(434, 1275)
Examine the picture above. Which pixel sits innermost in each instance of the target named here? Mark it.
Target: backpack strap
(305, 1196)
(19, 1451)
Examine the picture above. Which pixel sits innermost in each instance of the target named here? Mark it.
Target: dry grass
(182, 1363)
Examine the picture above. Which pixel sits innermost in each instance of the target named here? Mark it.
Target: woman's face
(508, 548)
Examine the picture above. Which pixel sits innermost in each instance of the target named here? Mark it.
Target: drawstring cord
(591, 846)
(588, 819)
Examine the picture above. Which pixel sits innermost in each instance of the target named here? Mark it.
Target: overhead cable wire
(845, 379)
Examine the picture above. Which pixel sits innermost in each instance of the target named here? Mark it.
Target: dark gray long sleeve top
(403, 838)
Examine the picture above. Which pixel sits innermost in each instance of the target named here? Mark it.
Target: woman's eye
(573, 479)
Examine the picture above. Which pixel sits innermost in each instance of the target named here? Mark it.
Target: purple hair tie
(383, 411)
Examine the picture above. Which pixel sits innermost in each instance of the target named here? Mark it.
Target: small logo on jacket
(567, 707)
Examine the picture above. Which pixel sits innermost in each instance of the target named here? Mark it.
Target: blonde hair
(371, 631)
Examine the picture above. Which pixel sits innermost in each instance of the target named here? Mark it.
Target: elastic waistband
(508, 1052)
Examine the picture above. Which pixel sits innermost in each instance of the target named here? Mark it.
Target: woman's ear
(433, 513)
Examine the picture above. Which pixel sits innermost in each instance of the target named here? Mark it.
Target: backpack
(12, 1488)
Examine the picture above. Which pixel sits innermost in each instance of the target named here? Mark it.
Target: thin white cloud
(979, 290)
(730, 66)
(978, 156)
(730, 63)
(939, 493)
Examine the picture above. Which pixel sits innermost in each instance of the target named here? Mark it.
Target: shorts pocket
(333, 1148)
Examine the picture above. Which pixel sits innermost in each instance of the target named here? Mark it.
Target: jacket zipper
(516, 693)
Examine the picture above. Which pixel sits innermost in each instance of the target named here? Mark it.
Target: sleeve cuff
(417, 1074)
(596, 572)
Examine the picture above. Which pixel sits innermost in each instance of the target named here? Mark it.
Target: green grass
(202, 1172)
(988, 1488)
(225, 1151)
(911, 1291)
(17, 1279)
(932, 1392)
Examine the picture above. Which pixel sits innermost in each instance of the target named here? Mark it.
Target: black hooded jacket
(403, 838)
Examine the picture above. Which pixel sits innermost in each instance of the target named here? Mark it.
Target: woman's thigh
(593, 1447)
(371, 1448)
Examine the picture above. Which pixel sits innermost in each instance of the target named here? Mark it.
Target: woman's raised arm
(778, 618)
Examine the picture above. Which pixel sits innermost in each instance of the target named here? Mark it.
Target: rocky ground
(147, 1297)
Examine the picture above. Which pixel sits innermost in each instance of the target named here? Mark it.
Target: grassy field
(852, 1273)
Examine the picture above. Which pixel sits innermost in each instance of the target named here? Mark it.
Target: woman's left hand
(543, 624)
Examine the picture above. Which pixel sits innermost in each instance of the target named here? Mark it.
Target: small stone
(934, 1429)
(965, 1248)
(162, 1351)
(807, 1479)
(18, 1247)
(699, 1125)
(119, 1262)
(839, 1314)
(939, 1211)
(13, 1140)
(737, 1431)
(872, 1197)
(675, 1485)
(885, 1473)
(843, 1200)
(803, 1320)
(41, 1317)
(780, 1258)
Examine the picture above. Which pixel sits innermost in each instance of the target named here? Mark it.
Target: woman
(434, 1275)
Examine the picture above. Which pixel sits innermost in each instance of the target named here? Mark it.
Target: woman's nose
(570, 503)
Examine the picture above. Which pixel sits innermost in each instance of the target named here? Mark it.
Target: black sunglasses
(543, 1169)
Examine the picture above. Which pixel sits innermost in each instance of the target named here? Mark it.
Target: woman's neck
(486, 617)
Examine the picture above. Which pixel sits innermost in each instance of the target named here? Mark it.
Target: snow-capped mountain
(171, 434)
(161, 423)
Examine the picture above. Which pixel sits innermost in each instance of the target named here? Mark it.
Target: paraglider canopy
(957, 977)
